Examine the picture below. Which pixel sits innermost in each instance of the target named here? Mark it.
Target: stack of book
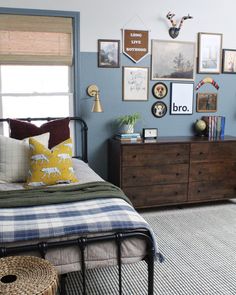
(128, 137)
(215, 126)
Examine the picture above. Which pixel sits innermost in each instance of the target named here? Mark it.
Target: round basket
(27, 275)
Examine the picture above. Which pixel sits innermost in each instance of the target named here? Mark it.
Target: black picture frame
(159, 109)
(159, 90)
(229, 61)
(181, 98)
(108, 53)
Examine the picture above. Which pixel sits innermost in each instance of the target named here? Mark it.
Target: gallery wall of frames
(174, 61)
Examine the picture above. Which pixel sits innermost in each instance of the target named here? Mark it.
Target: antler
(183, 19)
(170, 16)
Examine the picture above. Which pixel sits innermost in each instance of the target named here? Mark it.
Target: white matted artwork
(181, 99)
(135, 83)
(209, 53)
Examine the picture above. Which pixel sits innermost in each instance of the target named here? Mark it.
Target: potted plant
(127, 122)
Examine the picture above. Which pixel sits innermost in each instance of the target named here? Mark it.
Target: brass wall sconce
(93, 91)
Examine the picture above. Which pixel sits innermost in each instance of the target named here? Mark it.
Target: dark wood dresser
(174, 170)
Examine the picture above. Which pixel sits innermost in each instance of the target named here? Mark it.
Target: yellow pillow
(48, 167)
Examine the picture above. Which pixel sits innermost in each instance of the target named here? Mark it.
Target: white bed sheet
(82, 171)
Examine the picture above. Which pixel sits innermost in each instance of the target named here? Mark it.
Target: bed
(99, 229)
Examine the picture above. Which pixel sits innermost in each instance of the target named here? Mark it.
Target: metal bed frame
(83, 242)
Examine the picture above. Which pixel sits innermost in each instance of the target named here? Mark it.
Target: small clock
(149, 133)
(159, 90)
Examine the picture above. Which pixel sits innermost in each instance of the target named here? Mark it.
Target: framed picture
(159, 109)
(173, 60)
(159, 90)
(209, 53)
(181, 99)
(206, 102)
(108, 53)
(229, 61)
(135, 83)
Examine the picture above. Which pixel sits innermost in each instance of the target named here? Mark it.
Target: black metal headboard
(84, 131)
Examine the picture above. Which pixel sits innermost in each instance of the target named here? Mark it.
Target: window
(35, 91)
(36, 55)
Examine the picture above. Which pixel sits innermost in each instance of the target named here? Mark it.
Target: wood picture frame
(135, 83)
(229, 61)
(108, 53)
(206, 102)
(181, 98)
(209, 53)
(173, 60)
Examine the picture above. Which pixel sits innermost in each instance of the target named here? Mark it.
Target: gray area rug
(199, 245)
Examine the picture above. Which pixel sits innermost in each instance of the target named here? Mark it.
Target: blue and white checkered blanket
(51, 221)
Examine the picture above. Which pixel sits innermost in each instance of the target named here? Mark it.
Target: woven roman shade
(35, 40)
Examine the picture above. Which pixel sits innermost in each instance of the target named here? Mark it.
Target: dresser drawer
(211, 190)
(212, 152)
(148, 196)
(214, 171)
(152, 155)
(139, 176)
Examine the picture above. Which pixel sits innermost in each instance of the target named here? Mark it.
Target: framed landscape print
(209, 53)
(173, 60)
(181, 99)
(108, 53)
(135, 83)
(229, 61)
(206, 102)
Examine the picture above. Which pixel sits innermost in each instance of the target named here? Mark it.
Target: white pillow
(14, 157)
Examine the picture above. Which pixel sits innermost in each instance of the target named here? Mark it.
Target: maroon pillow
(59, 130)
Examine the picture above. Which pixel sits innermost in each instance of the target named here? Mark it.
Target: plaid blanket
(92, 216)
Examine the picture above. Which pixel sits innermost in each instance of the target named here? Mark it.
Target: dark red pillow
(59, 130)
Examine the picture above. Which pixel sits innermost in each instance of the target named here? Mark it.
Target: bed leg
(151, 271)
(63, 284)
(82, 245)
(119, 237)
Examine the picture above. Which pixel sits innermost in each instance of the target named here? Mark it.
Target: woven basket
(27, 275)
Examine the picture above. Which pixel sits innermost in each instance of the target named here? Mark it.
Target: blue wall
(101, 125)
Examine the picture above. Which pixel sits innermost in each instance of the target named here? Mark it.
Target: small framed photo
(173, 60)
(135, 83)
(206, 102)
(159, 90)
(209, 53)
(181, 99)
(108, 53)
(229, 61)
(150, 133)
(159, 109)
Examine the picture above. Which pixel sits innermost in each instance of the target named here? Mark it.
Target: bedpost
(150, 263)
(119, 238)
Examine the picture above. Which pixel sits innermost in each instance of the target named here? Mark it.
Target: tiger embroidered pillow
(49, 167)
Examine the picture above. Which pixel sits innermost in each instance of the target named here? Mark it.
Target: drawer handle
(177, 174)
(199, 172)
(198, 191)
(176, 193)
(134, 156)
(178, 154)
(134, 176)
(201, 153)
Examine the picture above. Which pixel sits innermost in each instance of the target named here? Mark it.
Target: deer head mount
(174, 30)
